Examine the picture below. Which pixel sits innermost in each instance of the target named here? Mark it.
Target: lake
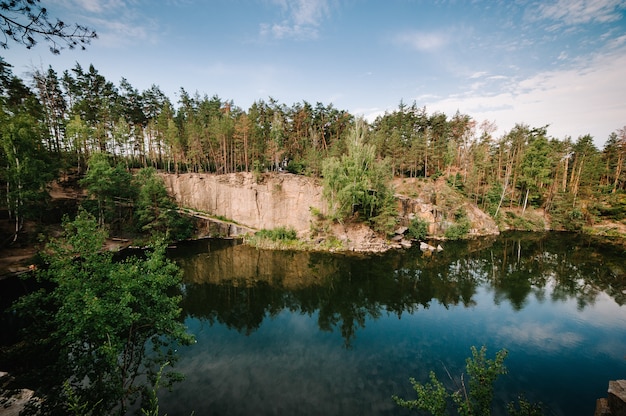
(298, 333)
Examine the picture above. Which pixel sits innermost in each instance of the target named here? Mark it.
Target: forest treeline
(53, 122)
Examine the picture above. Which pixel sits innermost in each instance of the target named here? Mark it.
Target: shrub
(564, 215)
(460, 228)
(278, 234)
(472, 399)
(418, 229)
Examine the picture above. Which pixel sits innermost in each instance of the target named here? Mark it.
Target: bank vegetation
(79, 125)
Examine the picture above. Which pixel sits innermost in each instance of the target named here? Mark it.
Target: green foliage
(524, 222)
(104, 316)
(278, 234)
(431, 397)
(120, 128)
(297, 167)
(108, 186)
(152, 406)
(26, 165)
(482, 373)
(492, 197)
(155, 211)
(565, 215)
(418, 229)
(524, 408)
(456, 182)
(280, 238)
(358, 184)
(473, 399)
(612, 207)
(74, 406)
(460, 227)
(535, 169)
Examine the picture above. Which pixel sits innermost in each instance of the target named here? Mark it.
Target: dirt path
(19, 257)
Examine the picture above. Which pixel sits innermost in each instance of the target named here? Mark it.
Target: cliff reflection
(240, 286)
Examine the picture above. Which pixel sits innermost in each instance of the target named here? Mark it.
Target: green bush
(357, 185)
(475, 396)
(296, 167)
(456, 182)
(460, 228)
(418, 229)
(564, 215)
(278, 234)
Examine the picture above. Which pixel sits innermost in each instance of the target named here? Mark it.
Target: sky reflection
(346, 343)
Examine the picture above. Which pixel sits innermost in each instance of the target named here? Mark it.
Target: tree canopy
(107, 323)
(79, 118)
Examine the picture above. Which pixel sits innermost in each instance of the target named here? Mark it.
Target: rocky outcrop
(615, 403)
(257, 201)
(14, 401)
(281, 199)
(438, 204)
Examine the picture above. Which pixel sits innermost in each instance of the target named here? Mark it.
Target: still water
(293, 333)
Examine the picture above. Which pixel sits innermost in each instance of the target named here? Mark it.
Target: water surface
(314, 333)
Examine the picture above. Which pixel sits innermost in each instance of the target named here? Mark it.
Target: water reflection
(314, 333)
(240, 286)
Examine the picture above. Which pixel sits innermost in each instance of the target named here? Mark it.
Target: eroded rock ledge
(615, 403)
(271, 200)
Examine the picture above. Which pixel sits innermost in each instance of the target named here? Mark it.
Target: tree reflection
(239, 286)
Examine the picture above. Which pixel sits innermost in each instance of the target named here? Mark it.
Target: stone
(427, 247)
(401, 230)
(14, 401)
(602, 408)
(617, 397)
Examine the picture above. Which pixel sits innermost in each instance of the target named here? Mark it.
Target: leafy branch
(22, 21)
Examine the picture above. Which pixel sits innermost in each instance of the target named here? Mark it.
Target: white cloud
(479, 74)
(113, 33)
(423, 41)
(542, 336)
(91, 6)
(586, 99)
(117, 22)
(572, 12)
(302, 21)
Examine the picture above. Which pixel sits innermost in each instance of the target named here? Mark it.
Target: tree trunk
(506, 184)
(525, 200)
(618, 171)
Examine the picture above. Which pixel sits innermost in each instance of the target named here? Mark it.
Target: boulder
(617, 397)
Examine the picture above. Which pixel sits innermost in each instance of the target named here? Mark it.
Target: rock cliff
(268, 201)
(257, 201)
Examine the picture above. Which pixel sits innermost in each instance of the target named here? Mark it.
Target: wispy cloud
(573, 101)
(121, 32)
(479, 74)
(572, 12)
(91, 6)
(544, 337)
(302, 19)
(423, 41)
(117, 22)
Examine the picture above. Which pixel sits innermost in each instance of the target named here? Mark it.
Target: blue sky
(538, 62)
